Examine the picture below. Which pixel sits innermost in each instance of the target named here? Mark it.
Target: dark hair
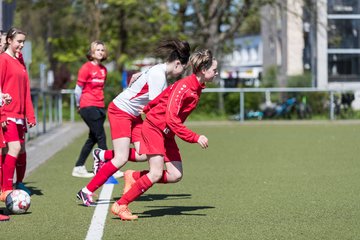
(92, 49)
(174, 49)
(201, 59)
(11, 34)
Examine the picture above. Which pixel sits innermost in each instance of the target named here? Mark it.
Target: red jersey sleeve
(83, 75)
(2, 79)
(181, 103)
(29, 108)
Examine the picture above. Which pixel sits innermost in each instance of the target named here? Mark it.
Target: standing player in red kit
(89, 94)
(14, 117)
(165, 116)
(4, 99)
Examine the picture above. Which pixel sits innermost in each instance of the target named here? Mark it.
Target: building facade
(341, 56)
(244, 65)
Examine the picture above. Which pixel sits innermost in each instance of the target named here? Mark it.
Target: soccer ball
(18, 201)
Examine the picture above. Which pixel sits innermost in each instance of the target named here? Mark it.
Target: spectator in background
(89, 94)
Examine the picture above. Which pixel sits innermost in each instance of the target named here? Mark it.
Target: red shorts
(123, 124)
(153, 141)
(14, 132)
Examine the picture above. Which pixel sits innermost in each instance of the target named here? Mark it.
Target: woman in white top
(124, 111)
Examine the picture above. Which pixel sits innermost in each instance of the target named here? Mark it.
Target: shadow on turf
(161, 211)
(145, 198)
(154, 197)
(34, 190)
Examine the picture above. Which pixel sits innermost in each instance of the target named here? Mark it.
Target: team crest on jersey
(102, 72)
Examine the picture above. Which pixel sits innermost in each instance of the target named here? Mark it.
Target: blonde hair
(92, 49)
(201, 60)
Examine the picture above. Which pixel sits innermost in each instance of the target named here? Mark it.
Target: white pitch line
(97, 225)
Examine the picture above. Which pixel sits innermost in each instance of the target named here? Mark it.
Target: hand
(134, 77)
(7, 98)
(31, 124)
(4, 124)
(203, 141)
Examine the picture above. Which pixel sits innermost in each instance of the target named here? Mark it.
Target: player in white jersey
(146, 87)
(124, 112)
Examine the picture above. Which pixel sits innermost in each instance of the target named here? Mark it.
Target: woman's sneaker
(81, 171)
(21, 186)
(123, 212)
(86, 198)
(98, 162)
(4, 194)
(4, 217)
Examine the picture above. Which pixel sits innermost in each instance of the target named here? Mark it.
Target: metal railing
(242, 92)
(49, 105)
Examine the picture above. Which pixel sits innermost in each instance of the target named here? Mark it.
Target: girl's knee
(155, 175)
(119, 161)
(178, 177)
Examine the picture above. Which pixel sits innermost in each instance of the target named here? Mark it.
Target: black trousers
(94, 117)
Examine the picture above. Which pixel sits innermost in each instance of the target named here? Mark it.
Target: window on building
(343, 7)
(344, 33)
(344, 67)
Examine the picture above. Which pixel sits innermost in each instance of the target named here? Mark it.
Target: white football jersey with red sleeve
(147, 87)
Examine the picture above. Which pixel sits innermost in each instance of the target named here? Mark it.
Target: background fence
(54, 107)
(278, 101)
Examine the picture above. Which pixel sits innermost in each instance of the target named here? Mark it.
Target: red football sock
(108, 155)
(141, 186)
(8, 168)
(20, 167)
(138, 174)
(132, 155)
(2, 157)
(100, 178)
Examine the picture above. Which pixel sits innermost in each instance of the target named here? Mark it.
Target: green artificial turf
(255, 181)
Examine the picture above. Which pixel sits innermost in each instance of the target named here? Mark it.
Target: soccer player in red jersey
(165, 116)
(14, 117)
(4, 99)
(89, 94)
(124, 111)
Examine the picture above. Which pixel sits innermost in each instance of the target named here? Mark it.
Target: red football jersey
(92, 79)
(171, 108)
